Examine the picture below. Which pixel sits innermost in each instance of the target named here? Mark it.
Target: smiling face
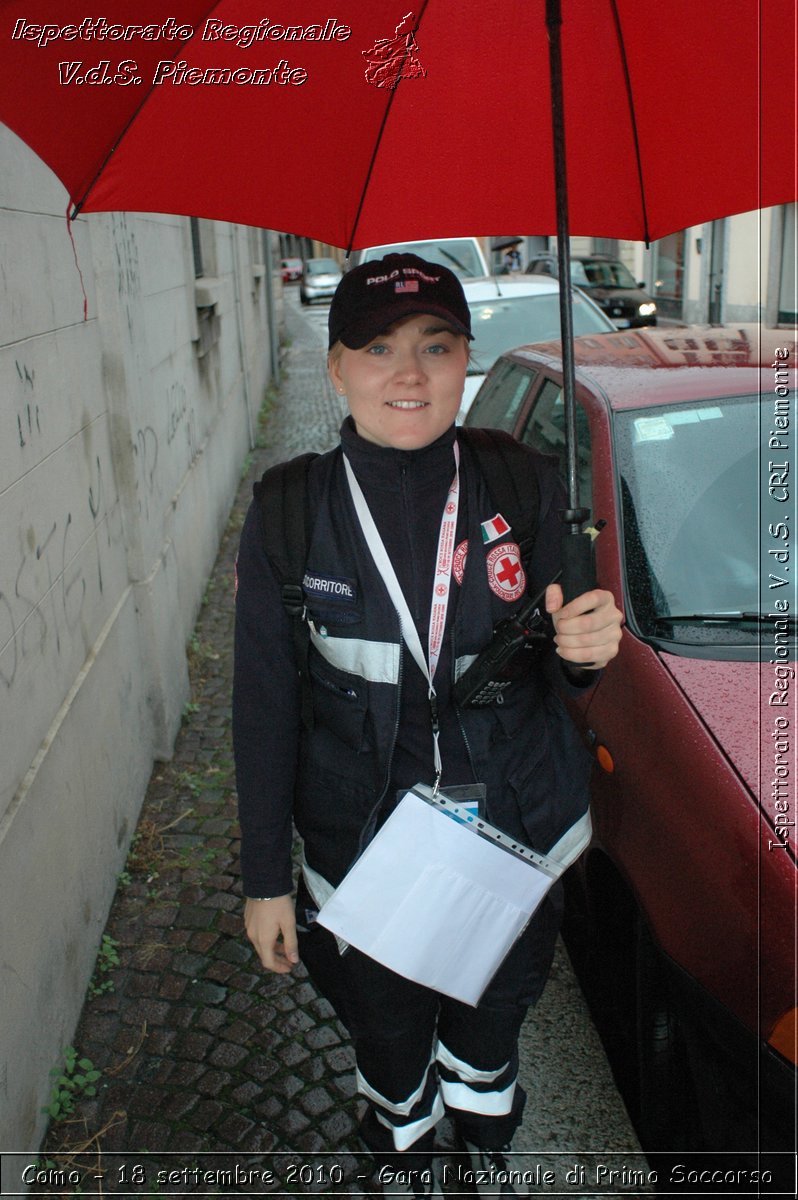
(404, 388)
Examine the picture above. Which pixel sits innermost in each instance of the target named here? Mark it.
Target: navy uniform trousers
(420, 1054)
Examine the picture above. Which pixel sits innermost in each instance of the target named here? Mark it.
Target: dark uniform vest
(524, 750)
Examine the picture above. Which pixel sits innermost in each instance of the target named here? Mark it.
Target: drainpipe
(242, 349)
(274, 349)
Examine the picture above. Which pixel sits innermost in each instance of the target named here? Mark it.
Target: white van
(464, 256)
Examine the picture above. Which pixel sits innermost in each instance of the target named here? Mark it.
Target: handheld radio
(516, 645)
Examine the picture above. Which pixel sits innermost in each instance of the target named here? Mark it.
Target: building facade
(741, 268)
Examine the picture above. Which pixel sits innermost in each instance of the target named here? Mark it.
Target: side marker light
(784, 1036)
(605, 759)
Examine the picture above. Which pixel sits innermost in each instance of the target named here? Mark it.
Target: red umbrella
(676, 113)
(380, 125)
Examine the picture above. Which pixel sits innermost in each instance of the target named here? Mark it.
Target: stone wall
(129, 390)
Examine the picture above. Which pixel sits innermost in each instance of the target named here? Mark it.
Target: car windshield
(601, 275)
(460, 257)
(321, 266)
(688, 478)
(506, 321)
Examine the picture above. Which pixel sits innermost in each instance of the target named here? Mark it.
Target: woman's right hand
(271, 927)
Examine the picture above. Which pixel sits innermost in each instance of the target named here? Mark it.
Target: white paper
(435, 902)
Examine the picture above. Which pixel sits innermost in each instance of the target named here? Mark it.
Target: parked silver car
(320, 278)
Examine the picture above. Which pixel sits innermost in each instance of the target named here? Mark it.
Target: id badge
(469, 798)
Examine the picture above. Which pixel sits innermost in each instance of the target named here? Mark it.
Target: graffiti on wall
(46, 585)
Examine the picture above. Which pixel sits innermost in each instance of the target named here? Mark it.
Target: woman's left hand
(587, 629)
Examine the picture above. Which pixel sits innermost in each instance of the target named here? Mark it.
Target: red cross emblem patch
(506, 575)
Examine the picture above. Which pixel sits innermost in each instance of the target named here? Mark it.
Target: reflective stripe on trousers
(448, 1082)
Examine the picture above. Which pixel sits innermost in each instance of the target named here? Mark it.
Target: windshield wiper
(453, 259)
(730, 618)
(475, 367)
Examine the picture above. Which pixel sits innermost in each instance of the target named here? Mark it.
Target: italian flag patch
(495, 528)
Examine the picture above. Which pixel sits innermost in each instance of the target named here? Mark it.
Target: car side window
(579, 275)
(545, 431)
(501, 397)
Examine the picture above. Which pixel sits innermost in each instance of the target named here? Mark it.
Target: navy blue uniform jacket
(372, 734)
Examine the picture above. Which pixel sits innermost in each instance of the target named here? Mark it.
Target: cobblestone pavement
(208, 1065)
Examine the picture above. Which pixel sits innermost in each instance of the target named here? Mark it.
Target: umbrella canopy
(380, 124)
(376, 125)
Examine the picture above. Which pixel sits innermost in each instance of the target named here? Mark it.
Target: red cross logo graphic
(509, 572)
(506, 576)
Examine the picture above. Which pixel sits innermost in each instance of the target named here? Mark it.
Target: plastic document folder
(437, 900)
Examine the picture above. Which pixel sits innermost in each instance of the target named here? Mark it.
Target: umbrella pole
(578, 571)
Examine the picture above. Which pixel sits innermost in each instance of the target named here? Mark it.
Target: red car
(290, 269)
(683, 911)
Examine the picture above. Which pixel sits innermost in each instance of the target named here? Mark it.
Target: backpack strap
(286, 522)
(513, 487)
(285, 518)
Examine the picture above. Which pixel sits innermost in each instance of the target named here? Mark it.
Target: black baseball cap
(373, 295)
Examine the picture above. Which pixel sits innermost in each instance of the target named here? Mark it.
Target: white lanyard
(440, 589)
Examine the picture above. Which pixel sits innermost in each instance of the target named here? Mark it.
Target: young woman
(383, 715)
